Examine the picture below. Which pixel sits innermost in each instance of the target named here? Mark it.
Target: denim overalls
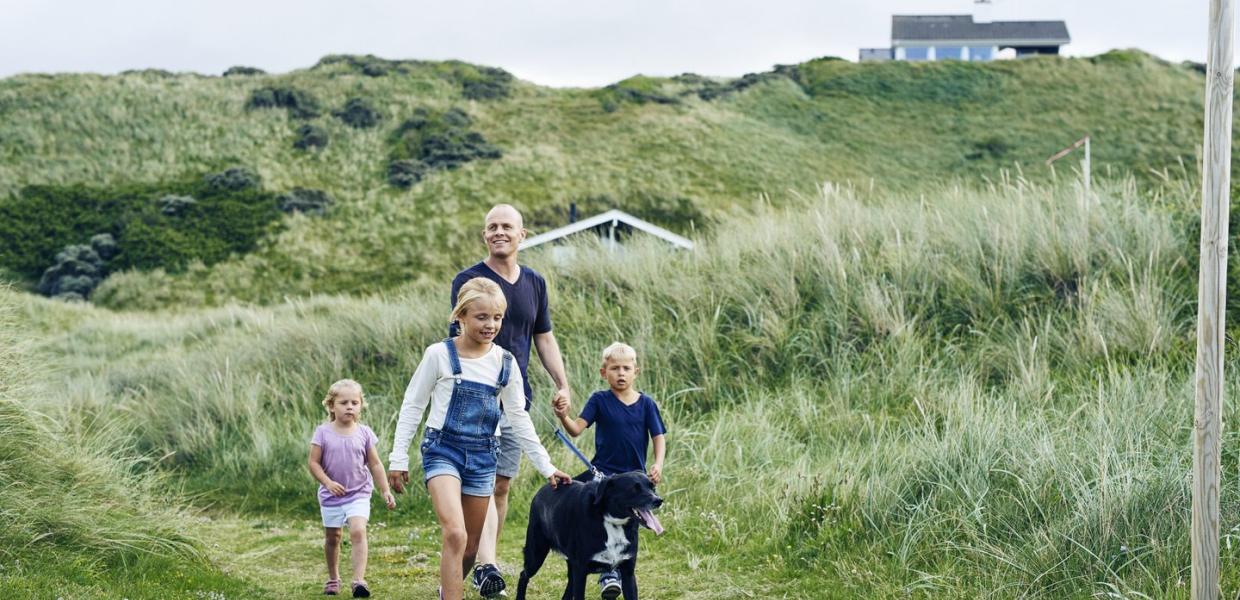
(466, 446)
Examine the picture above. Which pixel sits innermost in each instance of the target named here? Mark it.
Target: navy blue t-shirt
(621, 436)
(527, 313)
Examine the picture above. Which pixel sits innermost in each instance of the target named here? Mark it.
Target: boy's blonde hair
(475, 289)
(619, 351)
(338, 388)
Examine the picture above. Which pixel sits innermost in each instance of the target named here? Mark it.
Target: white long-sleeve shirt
(432, 384)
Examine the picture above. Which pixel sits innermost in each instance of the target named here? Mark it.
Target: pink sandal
(332, 587)
(360, 590)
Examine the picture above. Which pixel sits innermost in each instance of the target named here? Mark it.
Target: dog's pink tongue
(650, 521)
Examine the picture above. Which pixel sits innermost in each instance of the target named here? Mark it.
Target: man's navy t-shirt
(527, 313)
(620, 438)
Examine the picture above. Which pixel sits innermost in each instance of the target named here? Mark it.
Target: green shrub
(312, 202)
(437, 140)
(638, 89)
(406, 172)
(173, 205)
(358, 113)
(310, 136)
(150, 225)
(233, 179)
(243, 71)
(300, 103)
(485, 83)
(77, 271)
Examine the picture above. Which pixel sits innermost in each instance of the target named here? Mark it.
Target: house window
(916, 54)
(981, 53)
(948, 52)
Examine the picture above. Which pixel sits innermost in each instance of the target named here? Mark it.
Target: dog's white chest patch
(615, 551)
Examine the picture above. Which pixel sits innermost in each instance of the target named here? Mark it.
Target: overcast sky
(549, 42)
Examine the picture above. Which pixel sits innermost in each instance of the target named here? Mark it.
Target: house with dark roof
(959, 37)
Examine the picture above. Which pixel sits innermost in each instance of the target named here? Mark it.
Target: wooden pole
(1211, 299)
(1086, 167)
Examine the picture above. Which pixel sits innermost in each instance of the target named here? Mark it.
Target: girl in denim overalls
(465, 380)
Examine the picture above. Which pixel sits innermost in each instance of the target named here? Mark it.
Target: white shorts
(337, 516)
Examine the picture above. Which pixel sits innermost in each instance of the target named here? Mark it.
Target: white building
(959, 37)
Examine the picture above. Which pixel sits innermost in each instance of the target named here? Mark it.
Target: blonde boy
(626, 419)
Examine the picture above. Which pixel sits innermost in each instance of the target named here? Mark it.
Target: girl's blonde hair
(338, 388)
(475, 289)
(619, 351)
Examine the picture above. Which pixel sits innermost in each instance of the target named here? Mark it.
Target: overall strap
(504, 372)
(453, 359)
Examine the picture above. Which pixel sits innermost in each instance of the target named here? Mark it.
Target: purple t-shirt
(344, 460)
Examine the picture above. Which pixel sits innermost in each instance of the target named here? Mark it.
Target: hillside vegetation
(385, 167)
(956, 394)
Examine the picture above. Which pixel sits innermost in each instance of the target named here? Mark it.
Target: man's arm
(553, 362)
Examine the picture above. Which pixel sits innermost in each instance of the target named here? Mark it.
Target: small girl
(466, 380)
(344, 461)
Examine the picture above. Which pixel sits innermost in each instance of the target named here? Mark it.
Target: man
(527, 320)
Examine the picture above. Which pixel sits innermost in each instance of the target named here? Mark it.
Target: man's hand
(559, 477)
(563, 397)
(335, 488)
(398, 479)
(561, 406)
(656, 473)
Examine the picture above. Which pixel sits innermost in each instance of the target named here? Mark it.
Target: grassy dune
(682, 161)
(963, 393)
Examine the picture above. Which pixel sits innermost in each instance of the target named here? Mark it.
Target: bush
(243, 71)
(300, 103)
(308, 201)
(436, 141)
(406, 172)
(310, 136)
(215, 216)
(485, 83)
(638, 89)
(77, 271)
(358, 113)
(233, 179)
(173, 205)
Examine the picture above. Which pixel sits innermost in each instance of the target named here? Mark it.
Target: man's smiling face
(504, 231)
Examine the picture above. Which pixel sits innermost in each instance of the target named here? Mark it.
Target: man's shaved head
(506, 212)
(504, 231)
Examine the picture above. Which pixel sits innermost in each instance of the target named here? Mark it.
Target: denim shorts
(473, 464)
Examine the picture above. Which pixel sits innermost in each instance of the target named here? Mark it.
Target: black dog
(594, 525)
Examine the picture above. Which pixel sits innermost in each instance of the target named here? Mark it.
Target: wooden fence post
(1211, 300)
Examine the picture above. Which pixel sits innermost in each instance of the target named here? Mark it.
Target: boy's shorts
(473, 466)
(338, 516)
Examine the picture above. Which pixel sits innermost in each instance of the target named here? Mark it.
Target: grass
(899, 126)
(967, 392)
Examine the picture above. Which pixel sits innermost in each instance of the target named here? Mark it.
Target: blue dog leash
(581, 456)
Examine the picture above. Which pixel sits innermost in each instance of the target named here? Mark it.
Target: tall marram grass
(973, 392)
(76, 503)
